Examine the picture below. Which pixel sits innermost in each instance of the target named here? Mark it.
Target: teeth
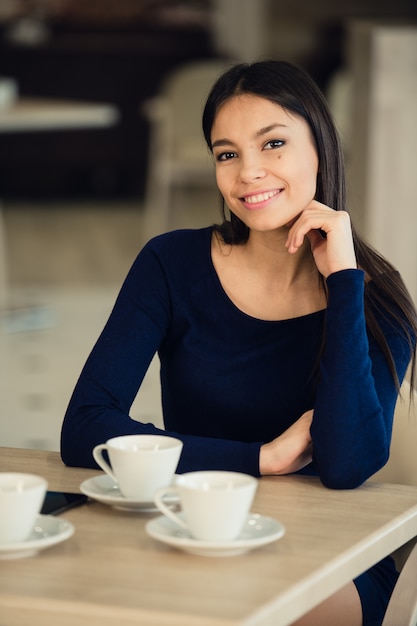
(260, 197)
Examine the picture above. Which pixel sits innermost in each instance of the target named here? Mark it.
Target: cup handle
(158, 499)
(98, 457)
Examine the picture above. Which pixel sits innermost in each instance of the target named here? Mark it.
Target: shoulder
(168, 266)
(177, 256)
(183, 242)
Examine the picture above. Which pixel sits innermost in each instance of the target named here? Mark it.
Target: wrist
(268, 463)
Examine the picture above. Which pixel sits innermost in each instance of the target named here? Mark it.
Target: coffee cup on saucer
(21, 498)
(140, 464)
(215, 504)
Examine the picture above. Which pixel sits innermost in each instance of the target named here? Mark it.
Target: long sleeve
(100, 404)
(356, 395)
(231, 382)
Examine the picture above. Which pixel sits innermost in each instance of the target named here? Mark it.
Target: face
(266, 161)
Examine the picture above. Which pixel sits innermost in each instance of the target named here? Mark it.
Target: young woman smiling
(283, 337)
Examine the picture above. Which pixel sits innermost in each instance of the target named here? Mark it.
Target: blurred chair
(178, 156)
(402, 607)
(402, 464)
(402, 469)
(3, 266)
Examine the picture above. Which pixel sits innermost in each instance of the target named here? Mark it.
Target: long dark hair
(294, 90)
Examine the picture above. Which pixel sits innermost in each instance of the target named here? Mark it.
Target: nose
(251, 169)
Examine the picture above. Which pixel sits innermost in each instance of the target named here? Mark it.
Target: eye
(225, 156)
(273, 144)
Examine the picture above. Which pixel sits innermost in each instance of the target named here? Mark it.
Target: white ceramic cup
(21, 499)
(215, 504)
(140, 464)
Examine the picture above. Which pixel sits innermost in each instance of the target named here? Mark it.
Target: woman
(283, 337)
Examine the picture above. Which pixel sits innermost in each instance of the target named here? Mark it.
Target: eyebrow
(259, 133)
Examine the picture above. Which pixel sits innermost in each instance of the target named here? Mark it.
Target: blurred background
(100, 148)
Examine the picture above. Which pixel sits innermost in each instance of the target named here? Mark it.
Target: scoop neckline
(232, 305)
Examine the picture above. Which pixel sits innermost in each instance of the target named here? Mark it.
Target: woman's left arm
(356, 394)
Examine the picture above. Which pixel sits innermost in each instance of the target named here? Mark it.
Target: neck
(266, 252)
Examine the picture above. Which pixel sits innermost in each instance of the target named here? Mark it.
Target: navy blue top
(231, 382)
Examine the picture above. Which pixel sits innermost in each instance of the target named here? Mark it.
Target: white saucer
(105, 490)
(258, 531)
(48, 531)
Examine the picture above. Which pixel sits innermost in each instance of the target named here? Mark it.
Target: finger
(316, 237)
(320, 220)
(298, 232)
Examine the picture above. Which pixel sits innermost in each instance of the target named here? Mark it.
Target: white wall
(383, 146)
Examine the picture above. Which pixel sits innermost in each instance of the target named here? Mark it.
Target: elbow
(67, 448)
(342, 482)
(67, 457)
(68, 454)
(76, 448)
(352, 477)
(72, 456)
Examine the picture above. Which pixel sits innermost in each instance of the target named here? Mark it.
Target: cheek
(219, 182)
(305, 187)
(312, 181)
(310, 189)
(309, 176)
(223, 181)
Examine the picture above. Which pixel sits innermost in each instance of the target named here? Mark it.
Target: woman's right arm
(108, 384)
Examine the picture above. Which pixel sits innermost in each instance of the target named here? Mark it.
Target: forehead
(250, 113)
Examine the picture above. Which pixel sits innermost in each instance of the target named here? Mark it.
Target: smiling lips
(261, 197)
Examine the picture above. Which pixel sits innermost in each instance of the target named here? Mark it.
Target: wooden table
(110, 572)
